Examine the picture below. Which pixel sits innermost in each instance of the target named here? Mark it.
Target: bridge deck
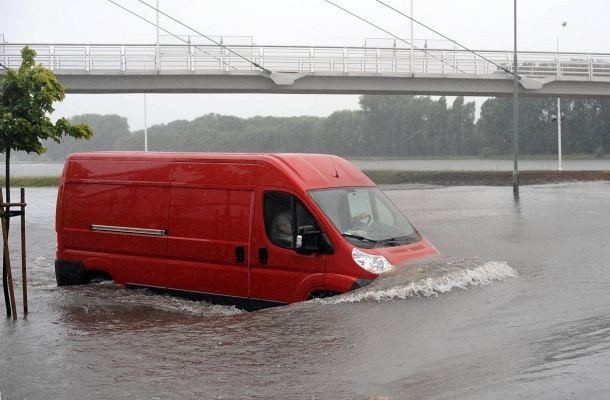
(300, 69)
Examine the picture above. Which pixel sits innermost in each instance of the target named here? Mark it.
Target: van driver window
(281, 210)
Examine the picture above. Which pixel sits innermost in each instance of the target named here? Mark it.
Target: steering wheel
(362, 219)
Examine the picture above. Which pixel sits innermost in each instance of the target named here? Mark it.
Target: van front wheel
(321, 294)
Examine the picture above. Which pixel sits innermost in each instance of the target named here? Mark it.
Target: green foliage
(396, 126)
(343, 133)
(26, 102)
(585, 125)
(400, 126)
(109, 130)
(214, 132)
(386, 126)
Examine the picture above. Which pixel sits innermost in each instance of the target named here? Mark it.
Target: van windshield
(365, 216)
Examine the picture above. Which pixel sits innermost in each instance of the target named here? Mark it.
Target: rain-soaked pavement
(520, 309)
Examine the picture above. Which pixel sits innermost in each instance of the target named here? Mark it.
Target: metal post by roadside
(515, 110)
(157, 52)
(412, 43)
(559, 161)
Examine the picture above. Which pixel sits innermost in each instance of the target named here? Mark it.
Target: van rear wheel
(68, 273)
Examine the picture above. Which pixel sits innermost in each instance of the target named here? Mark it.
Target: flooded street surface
(521, 309)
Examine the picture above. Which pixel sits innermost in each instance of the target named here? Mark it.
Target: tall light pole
(157, 65)
(157, 52)
(559, 166)
(157, 21)
(145, 126)
(515, 109)
(412, 44)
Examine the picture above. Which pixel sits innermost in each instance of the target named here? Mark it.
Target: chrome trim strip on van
(124, 229)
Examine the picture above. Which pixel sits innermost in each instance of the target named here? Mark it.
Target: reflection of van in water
(246, 229)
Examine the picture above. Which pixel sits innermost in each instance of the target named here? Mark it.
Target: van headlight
(372, 263)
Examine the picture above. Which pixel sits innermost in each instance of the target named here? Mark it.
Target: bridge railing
(176, 58)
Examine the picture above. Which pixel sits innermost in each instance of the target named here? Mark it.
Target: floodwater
(520, 309)
(54, 169)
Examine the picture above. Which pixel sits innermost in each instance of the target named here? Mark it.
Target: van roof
(314, 171)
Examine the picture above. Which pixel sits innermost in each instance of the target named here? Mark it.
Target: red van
(253, 230)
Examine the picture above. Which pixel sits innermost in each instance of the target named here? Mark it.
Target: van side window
(280, 211)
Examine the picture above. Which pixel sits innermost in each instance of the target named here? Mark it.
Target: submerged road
(544, 334)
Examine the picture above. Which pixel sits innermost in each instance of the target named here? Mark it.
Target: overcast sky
(480, 24)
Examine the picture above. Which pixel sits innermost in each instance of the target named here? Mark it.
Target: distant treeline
(385, 126)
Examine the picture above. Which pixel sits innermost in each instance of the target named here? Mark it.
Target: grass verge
(32, 181)
(483, 178)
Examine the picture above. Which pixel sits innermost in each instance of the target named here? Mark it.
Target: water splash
(107, 294)
(42, 261)
(430, 279)
(167, 303)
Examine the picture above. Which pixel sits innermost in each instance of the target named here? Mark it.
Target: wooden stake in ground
(5, 216)
(23, 256)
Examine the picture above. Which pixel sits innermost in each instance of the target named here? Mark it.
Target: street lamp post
(515, 109)
(559, 161)
(145, 126)
(559, 167)
(412, 44)
(158, 64)
(157, 52)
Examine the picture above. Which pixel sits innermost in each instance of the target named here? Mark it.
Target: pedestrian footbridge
(185, 68)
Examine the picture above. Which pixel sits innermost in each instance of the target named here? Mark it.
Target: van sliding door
(208, 243)
(118, 228)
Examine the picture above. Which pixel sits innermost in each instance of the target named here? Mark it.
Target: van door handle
(263, 255)
(239, 254)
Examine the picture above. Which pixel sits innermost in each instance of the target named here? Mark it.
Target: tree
(461, 128)
(344, 133)
(109, 129)
(494, 127)
(399, 126)
(585, 125)
(26, 102)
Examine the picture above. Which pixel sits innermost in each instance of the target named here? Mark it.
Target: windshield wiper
(358, 237)
(400, 240)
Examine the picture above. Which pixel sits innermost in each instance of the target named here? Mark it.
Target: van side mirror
(311, 241)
